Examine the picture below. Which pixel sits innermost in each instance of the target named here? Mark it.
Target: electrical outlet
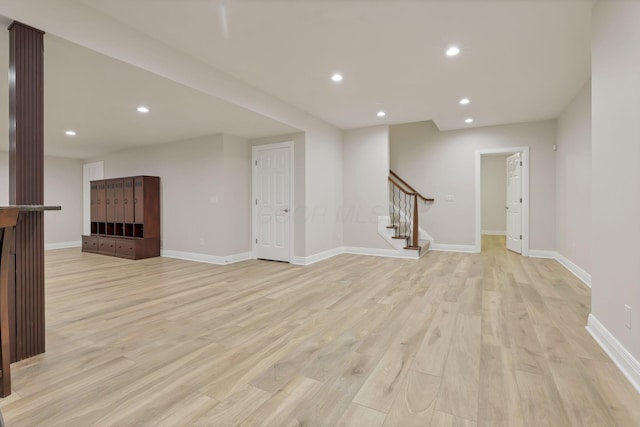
(450, 198)
(627, 311)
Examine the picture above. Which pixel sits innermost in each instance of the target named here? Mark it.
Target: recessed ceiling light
(381, 113)
(469, 120)
(143, 109)
(337, 77)
(453, 51)
(71, 132)
(464, 101)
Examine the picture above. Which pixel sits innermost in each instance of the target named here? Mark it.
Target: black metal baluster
(404, 223)
(391, 203)
(396, 205)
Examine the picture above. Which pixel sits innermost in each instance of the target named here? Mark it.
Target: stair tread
(399, 237)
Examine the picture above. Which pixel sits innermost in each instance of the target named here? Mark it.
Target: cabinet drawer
(106, 245)
(89, 244)
(126, 248)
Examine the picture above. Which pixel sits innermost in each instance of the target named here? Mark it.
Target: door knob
(285, 210)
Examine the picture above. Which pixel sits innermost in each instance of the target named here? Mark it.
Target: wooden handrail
(413, 212)
(406, 185)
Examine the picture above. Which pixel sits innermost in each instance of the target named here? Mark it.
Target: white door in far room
(272, 202)
(514, 203)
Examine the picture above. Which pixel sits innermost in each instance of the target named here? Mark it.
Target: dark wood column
(26, 187)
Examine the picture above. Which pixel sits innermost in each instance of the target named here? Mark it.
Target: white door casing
(524, 157)
(514, 203)
(90, 172)
(272, 201)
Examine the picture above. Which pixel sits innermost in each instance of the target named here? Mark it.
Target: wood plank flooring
(491, 339)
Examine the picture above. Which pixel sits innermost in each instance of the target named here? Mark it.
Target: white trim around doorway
(524, 151)
(254, 211)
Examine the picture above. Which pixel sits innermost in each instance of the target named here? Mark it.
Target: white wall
(616, 174)
(365, 194)
(62, 187)
(323, 190)
(193, 189)
(237, 195)
(573, 180)
(494, 194)
(443, 163)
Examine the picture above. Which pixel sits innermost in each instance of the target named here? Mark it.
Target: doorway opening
(502, 198)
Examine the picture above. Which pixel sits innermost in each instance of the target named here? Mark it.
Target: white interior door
(90, 172)
(514, 203)
(272, 201)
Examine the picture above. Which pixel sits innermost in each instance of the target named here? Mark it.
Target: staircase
(401, 228)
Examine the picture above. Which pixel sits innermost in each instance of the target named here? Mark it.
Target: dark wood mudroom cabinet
(125, 217)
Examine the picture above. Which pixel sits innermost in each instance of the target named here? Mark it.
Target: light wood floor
(491, 339)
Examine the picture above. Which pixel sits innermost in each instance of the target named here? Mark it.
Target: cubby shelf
(125, 217)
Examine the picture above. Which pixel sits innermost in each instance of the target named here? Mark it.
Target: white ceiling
(97, 97)
(521, 60)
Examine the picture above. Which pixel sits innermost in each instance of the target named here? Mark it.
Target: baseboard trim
(493, 232)
(209, 259)
(565, 262)
(353, 250)
(537, 253)
(576, 270)
(321, 256)
(453, 248)
(389, 253)
(62, 245)
(628, 365)
(298, 260)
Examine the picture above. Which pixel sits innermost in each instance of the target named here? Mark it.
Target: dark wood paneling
(138, 199)
(26, 111)
(26, 185)
(90, 243)
(29, 285)
(151, 189)
(132, 227)
(8, 220)
(110, 184)
(128, 200)
(94, 201)
(101, 211)
(126, 248)
(118, 202)
(107, 245)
